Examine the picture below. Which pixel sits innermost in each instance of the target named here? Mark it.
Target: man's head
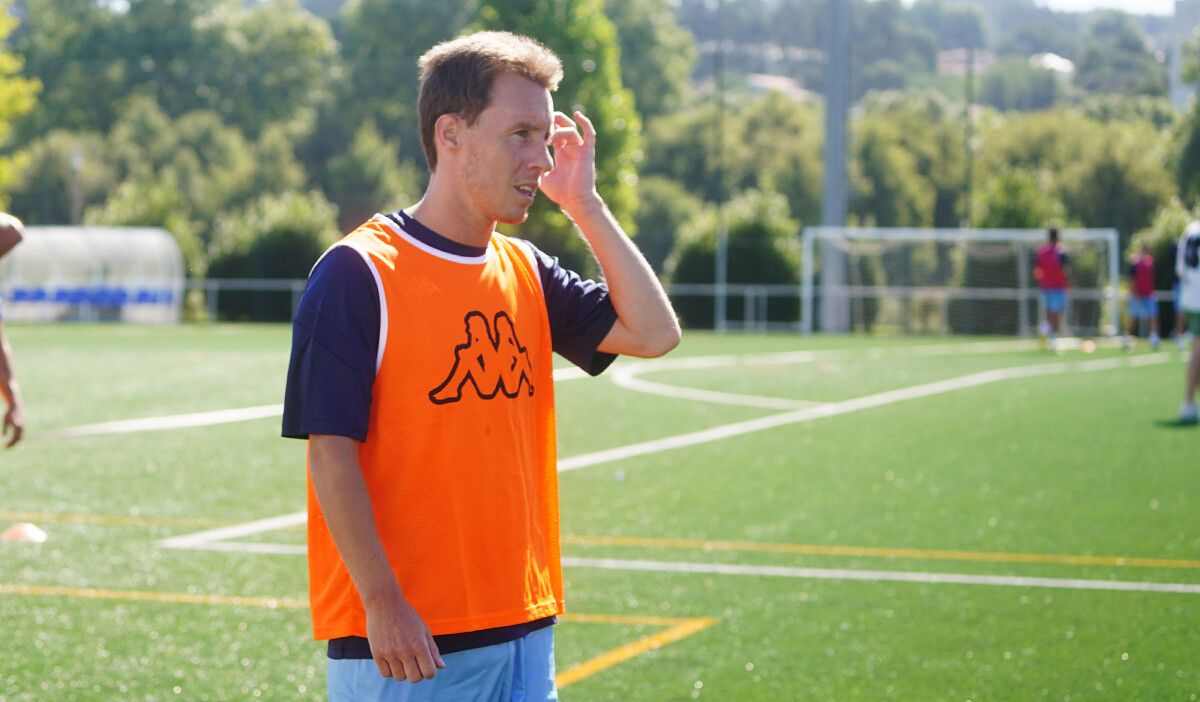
(1053, 235)
(457, 77)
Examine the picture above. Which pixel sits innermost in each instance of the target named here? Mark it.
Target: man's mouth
(527, 192)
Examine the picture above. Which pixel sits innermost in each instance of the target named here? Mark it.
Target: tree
(1013, 84)
(1120, 180)
(579, 32)
(763, 249)
(17, 97)
(657, 55)
(955, 25)
(367, 178)
(381, 42)
(61, 174)
(274, 236)
(266, 63)
(1115, 59)
(664, 209)
(254, 65)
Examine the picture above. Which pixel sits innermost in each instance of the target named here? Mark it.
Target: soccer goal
(952, 281)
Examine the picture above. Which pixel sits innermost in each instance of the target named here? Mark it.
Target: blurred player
(1143, 305)
(1051, 271)
(421, 374)
(1187, 265)
(11, 234)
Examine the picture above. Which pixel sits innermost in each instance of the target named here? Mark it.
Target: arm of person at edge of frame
(401, 643)
(12, 232)
(646, 325)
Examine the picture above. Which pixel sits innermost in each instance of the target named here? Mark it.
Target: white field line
(845, 406)
(205, 419)
(176, 421)
(209, 536)
(879, 575)
(215, 539)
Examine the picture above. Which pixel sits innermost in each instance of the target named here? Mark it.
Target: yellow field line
(682, 629)
(145, 596)
(912, 553)
(678, 628)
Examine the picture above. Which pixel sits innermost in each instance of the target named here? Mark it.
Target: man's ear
(447, 131)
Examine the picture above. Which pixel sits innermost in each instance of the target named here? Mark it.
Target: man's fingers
(437, 655)
(589, 131)
(384, 668)
(425, 664)
(412, 670)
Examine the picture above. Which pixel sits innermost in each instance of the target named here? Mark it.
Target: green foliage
(1120, 180)
(274, 236)
(154, 202)
(1157, 111)
(1015, 199)
(17, 98)
(367, 178)
(381, 42)
(762, 249)
(258, 64)
(956, 24)
(586, 41)
(1116, 59)
(770, 142)
(1187, 159)
(1013, 84)
(50, 187)
(1163, 236)
(887, 189)
(265, 63)
(664, 209)
(657, 55)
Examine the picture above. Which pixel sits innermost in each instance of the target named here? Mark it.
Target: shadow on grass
(1176, 424)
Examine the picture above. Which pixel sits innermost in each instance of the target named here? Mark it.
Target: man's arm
(11, 232)
(14, 418)
(401, 643)
(646, 325)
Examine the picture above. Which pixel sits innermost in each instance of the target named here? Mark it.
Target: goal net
(952, 281)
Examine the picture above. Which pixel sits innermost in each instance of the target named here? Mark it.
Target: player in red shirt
(1143, 305)
(1051, 272)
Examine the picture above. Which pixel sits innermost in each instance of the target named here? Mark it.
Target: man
(11, 234)
(421, 375)
(1143, 303)
(1187, 266)
(1051, 271)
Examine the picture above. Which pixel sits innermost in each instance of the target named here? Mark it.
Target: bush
(275, 236)
(762, 249)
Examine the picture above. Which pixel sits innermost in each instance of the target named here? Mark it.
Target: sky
(1140, 7)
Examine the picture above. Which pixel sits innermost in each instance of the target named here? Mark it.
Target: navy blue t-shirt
(335, 339)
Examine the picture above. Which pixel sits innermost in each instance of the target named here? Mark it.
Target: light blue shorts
(1143, 307)
(1056, 300)
(517, 671)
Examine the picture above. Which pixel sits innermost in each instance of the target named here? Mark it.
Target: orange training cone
(24, 532)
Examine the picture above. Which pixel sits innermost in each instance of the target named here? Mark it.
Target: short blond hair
(457, 76)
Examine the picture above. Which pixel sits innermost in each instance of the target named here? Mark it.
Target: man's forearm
(642, 307)
(346, 506)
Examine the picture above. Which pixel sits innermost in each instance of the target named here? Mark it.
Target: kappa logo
(492, 359)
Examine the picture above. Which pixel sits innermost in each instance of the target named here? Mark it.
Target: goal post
(972, 281)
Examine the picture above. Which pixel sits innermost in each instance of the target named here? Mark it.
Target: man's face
(505, 153)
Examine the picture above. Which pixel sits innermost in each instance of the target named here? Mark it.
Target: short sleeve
(335, 337)
(580, 311)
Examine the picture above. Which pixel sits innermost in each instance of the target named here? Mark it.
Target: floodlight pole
(835, 305)
(721, 274)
